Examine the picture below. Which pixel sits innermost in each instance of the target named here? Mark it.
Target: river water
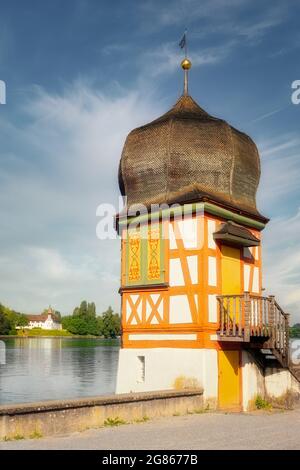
(38, 369)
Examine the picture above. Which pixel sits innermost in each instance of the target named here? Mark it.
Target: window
(145, 256)
(140, 369)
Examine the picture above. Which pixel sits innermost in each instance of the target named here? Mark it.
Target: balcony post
(221, 311)
(287, 337)
(247, 315)
(272, 320)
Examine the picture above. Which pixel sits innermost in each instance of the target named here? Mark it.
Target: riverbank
(64, 336)
(207, 431)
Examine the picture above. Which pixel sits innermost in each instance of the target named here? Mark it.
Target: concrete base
(276, 385)
(279, 382)
(253, 381)
(142, 370)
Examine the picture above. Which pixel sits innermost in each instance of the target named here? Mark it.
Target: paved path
(276, 430)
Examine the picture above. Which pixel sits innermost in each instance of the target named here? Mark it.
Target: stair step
(266, 351)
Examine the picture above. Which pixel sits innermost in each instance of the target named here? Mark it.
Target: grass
(199, 411)
(16, 437)
(42, 332)
(36, 435)
(144, 419)
(262, 404)
(20, 437)
(114, 421)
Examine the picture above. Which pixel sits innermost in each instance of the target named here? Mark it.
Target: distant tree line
(9, 320)
(85, 321)
(295, 331)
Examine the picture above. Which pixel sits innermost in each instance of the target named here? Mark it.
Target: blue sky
(80, 75)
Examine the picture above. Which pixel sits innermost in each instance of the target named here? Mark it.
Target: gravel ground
(258, 430)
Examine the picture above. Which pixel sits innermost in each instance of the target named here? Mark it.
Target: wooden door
(229, 379)
(231, 270)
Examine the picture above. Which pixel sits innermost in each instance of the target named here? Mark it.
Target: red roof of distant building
(43, 317)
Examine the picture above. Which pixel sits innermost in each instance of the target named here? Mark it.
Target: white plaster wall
(179, 311)
(193, 268)
(172, 238)
(188, 231)
(164, 365)
(255, 287)
(247, 277)
(211, 228)
(212, 271)
(252, 380)
(176, 275)
(279, 381)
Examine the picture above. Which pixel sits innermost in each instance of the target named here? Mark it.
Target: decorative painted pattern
(144, 308)
(134, 256)
(154, 246)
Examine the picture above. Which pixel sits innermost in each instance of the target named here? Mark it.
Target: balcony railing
(243, 317)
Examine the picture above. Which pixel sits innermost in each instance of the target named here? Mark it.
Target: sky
(80, 74)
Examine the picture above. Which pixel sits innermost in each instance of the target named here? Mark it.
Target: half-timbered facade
(193, 304)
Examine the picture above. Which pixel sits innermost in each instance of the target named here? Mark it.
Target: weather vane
(186, 63)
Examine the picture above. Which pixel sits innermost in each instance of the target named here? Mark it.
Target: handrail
(243, 316)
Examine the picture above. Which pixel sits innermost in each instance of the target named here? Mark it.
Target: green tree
(85, 310)
(4, 322)
(10, 320)
(91, 310)
(17, 319)
(295, 331)
(58, 315)
(111, 323)
(85, 321)
(75, 325)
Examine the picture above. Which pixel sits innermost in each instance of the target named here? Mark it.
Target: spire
(186, 63)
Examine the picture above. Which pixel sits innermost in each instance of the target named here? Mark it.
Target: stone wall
(66, 416)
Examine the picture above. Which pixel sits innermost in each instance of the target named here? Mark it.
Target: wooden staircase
(259, 322)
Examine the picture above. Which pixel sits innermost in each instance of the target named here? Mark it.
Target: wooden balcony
(254, 320)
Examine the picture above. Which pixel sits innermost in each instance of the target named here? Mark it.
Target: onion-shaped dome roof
(186, 155)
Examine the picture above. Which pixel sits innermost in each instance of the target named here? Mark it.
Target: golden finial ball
(186, 64)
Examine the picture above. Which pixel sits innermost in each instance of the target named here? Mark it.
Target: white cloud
(165, 59)
(279, 193)
(55, 171)
(280, 172)
(282, 260)
(182, 12)
(213, 16)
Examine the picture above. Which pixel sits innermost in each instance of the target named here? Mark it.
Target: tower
(191, 277)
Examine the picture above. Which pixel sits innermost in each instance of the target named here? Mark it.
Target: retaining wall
(66, 416)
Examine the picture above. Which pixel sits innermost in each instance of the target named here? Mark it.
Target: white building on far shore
(47, 321)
